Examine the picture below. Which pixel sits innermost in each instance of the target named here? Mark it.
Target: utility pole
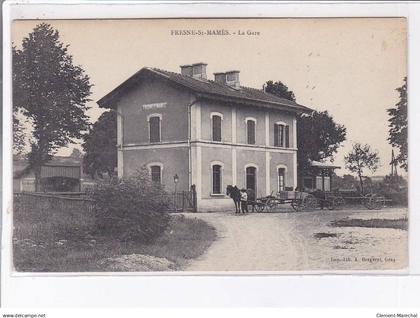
(394, 172)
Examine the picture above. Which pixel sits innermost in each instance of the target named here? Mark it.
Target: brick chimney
(220, 78)
(186, 70)
(199, 70)
(232, 79)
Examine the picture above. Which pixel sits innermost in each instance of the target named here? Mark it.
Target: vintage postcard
(210, 145)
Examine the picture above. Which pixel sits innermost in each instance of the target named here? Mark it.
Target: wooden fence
(27, 201)
(78, 201)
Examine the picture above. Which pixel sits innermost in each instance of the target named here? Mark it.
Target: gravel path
(297, 241)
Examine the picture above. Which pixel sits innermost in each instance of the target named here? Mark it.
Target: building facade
(209, 133)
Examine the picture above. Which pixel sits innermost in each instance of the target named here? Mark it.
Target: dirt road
(302, 241)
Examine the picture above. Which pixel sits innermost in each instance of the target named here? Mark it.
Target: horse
(235, 194)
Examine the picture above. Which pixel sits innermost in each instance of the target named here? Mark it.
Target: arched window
(156, 174)
(251, 178)
(216, 122)
(250, 130)
(155, 170)
(217, 179)
(281, 135)
(154, 127)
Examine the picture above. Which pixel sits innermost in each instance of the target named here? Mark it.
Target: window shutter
(286, 133)
(154, 123)
(217, 128)
(251, 131)
(276, 135)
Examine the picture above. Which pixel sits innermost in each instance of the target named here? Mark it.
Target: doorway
(251, 178)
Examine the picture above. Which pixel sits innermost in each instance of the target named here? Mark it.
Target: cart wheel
(367, 201)
(373, 202)
(269, 206)
(337, 203)
(310, 203)
(297, 206)
(259, 207)
(378, 203)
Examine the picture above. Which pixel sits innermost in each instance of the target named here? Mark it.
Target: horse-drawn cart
(304, 201)
(371, 201)
(300, 201)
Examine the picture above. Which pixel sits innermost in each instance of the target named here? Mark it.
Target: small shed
(61, 174)
(319, 176)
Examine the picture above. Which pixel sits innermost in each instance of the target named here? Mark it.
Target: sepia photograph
(269, 145)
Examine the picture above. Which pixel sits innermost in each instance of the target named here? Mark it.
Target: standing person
(251, 199)
(244, 201)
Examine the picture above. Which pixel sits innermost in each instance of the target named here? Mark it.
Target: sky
(347, 66)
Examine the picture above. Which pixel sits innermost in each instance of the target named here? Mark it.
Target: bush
(396, 192)
(398, 197)
(133, 208)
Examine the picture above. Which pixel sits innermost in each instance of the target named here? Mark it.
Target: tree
(51, 91)
(398, 127)
(18, 136)
(347, 181)
(279, 89)
(76, 153)
(361, 157)
(18, 130)
(319, 138)
(100, 146)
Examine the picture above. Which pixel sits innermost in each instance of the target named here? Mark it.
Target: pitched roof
(327, 165)
(207, 89)
(21, 166)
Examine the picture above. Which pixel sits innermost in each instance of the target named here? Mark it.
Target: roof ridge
(271, 94)
(182, 75)
(222, 85)
(203, 80)
(255, 89)
(207, 86)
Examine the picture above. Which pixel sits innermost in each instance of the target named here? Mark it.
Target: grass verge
(67, 245)
(401, 224)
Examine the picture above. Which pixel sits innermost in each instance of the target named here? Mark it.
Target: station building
(207, 133)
